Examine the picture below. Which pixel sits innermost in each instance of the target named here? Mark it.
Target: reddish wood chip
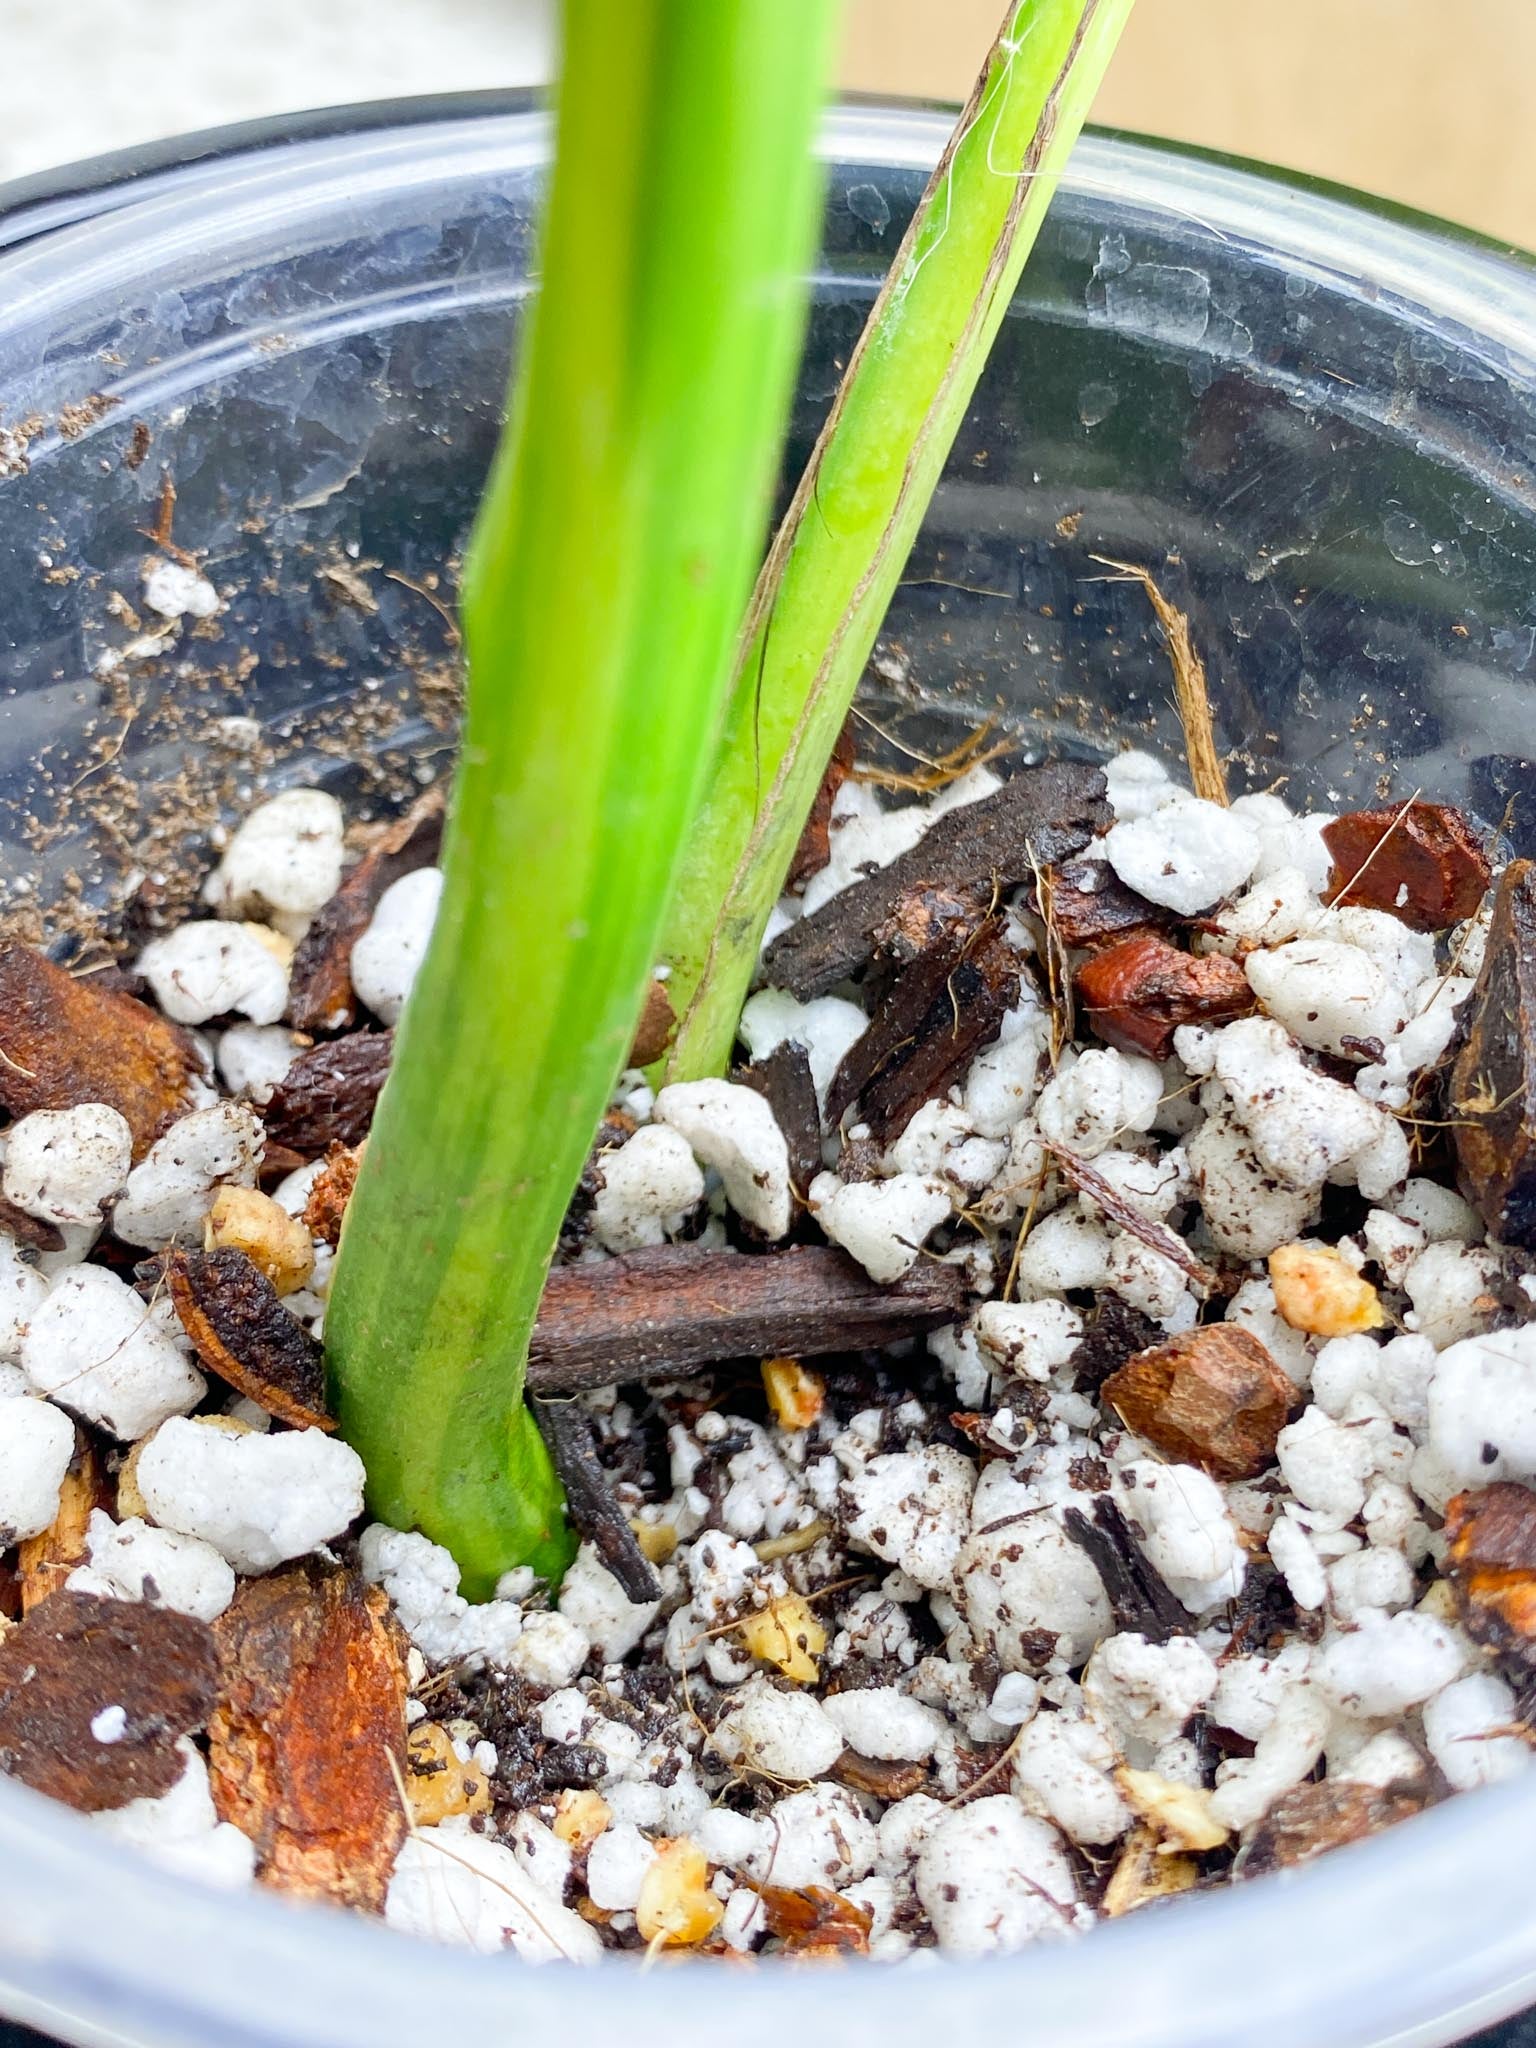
(321, 996)
(1491, 1564)
(44, 1562)
(1090, 906)
(1137, 994)
(307, 1744)
(327, 1096)
(653, 1033)
(1423, 862)
(1493, 1078)
(814, 850)
(1303, 1823)
(331, 1192)
(76, 1658)
(30, 1231)
(243, 1334)
(814, 1921)
(1213, 1397)
(64, 1041)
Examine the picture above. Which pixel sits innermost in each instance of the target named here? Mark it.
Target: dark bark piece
(326, 1209)
(30, 1232)
(879, 1777)
(1493, 1078)
(1113, 1333)
(1157, 1237)
(310, 1721)
(1088, 905)
(1136, 994)
(595, 1514)
(76, 1656)
(1041, 815)
(64, 1041)
(328, 1096)
(1422, 862)
(658, 1021)
(1491, 1564)
(243, 1335)
(657, 1313)
(1213, 1397)
(1138, 1595)
(783, 1079)
(1304, 1822)
(940, 1007)
(815, 848)
(320, 992)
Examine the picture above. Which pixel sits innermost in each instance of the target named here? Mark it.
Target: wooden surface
(1427, 103)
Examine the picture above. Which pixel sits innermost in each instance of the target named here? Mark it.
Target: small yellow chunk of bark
(245, 1220)
(795, 1393)
(676, 1906)
(1181, 1814)
(438, 1784)
(1316, 1291)
(1146, 1871)
(580, 1817)
(787, 1634)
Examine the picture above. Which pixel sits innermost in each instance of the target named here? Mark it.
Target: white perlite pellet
(129, 1560)
(282, 863)
(97, 1348)
(884, 1224)
(648, 1185)
(258, 1500)
(1186, 855)
(991, 1877)
(36, 1445)
(732, 1129)
(64, 1165)
(206, 970)
(171, 1189)
(388, 955)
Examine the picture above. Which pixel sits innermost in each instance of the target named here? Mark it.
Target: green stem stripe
(610, 564)
(840, 550)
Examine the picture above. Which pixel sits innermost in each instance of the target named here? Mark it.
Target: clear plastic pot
(1326, 414)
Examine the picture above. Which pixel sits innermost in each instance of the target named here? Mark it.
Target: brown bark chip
(44, 1562)
(321, 996)
(242, 1333)
(1138, 993)
(783, 1079)
(1422, 862)
(64, 1041)
(1491, 1564)
(1087, 904)
(813, 1921)
(74, 1658)
(655, 1313)
(307, 1744)
(815, 848)
(327, 1097)
(1493, 1079)
(1041, 815)
(657, 1025)
(1304, 1822)
(1213, 1398)
(954, 978)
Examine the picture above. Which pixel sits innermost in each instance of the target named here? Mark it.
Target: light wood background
(1430, 102)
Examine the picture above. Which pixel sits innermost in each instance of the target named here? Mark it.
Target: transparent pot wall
(1316, 425)
(310, 345)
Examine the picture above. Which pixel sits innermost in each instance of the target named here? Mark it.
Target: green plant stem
(610, 564)
(844, 541)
